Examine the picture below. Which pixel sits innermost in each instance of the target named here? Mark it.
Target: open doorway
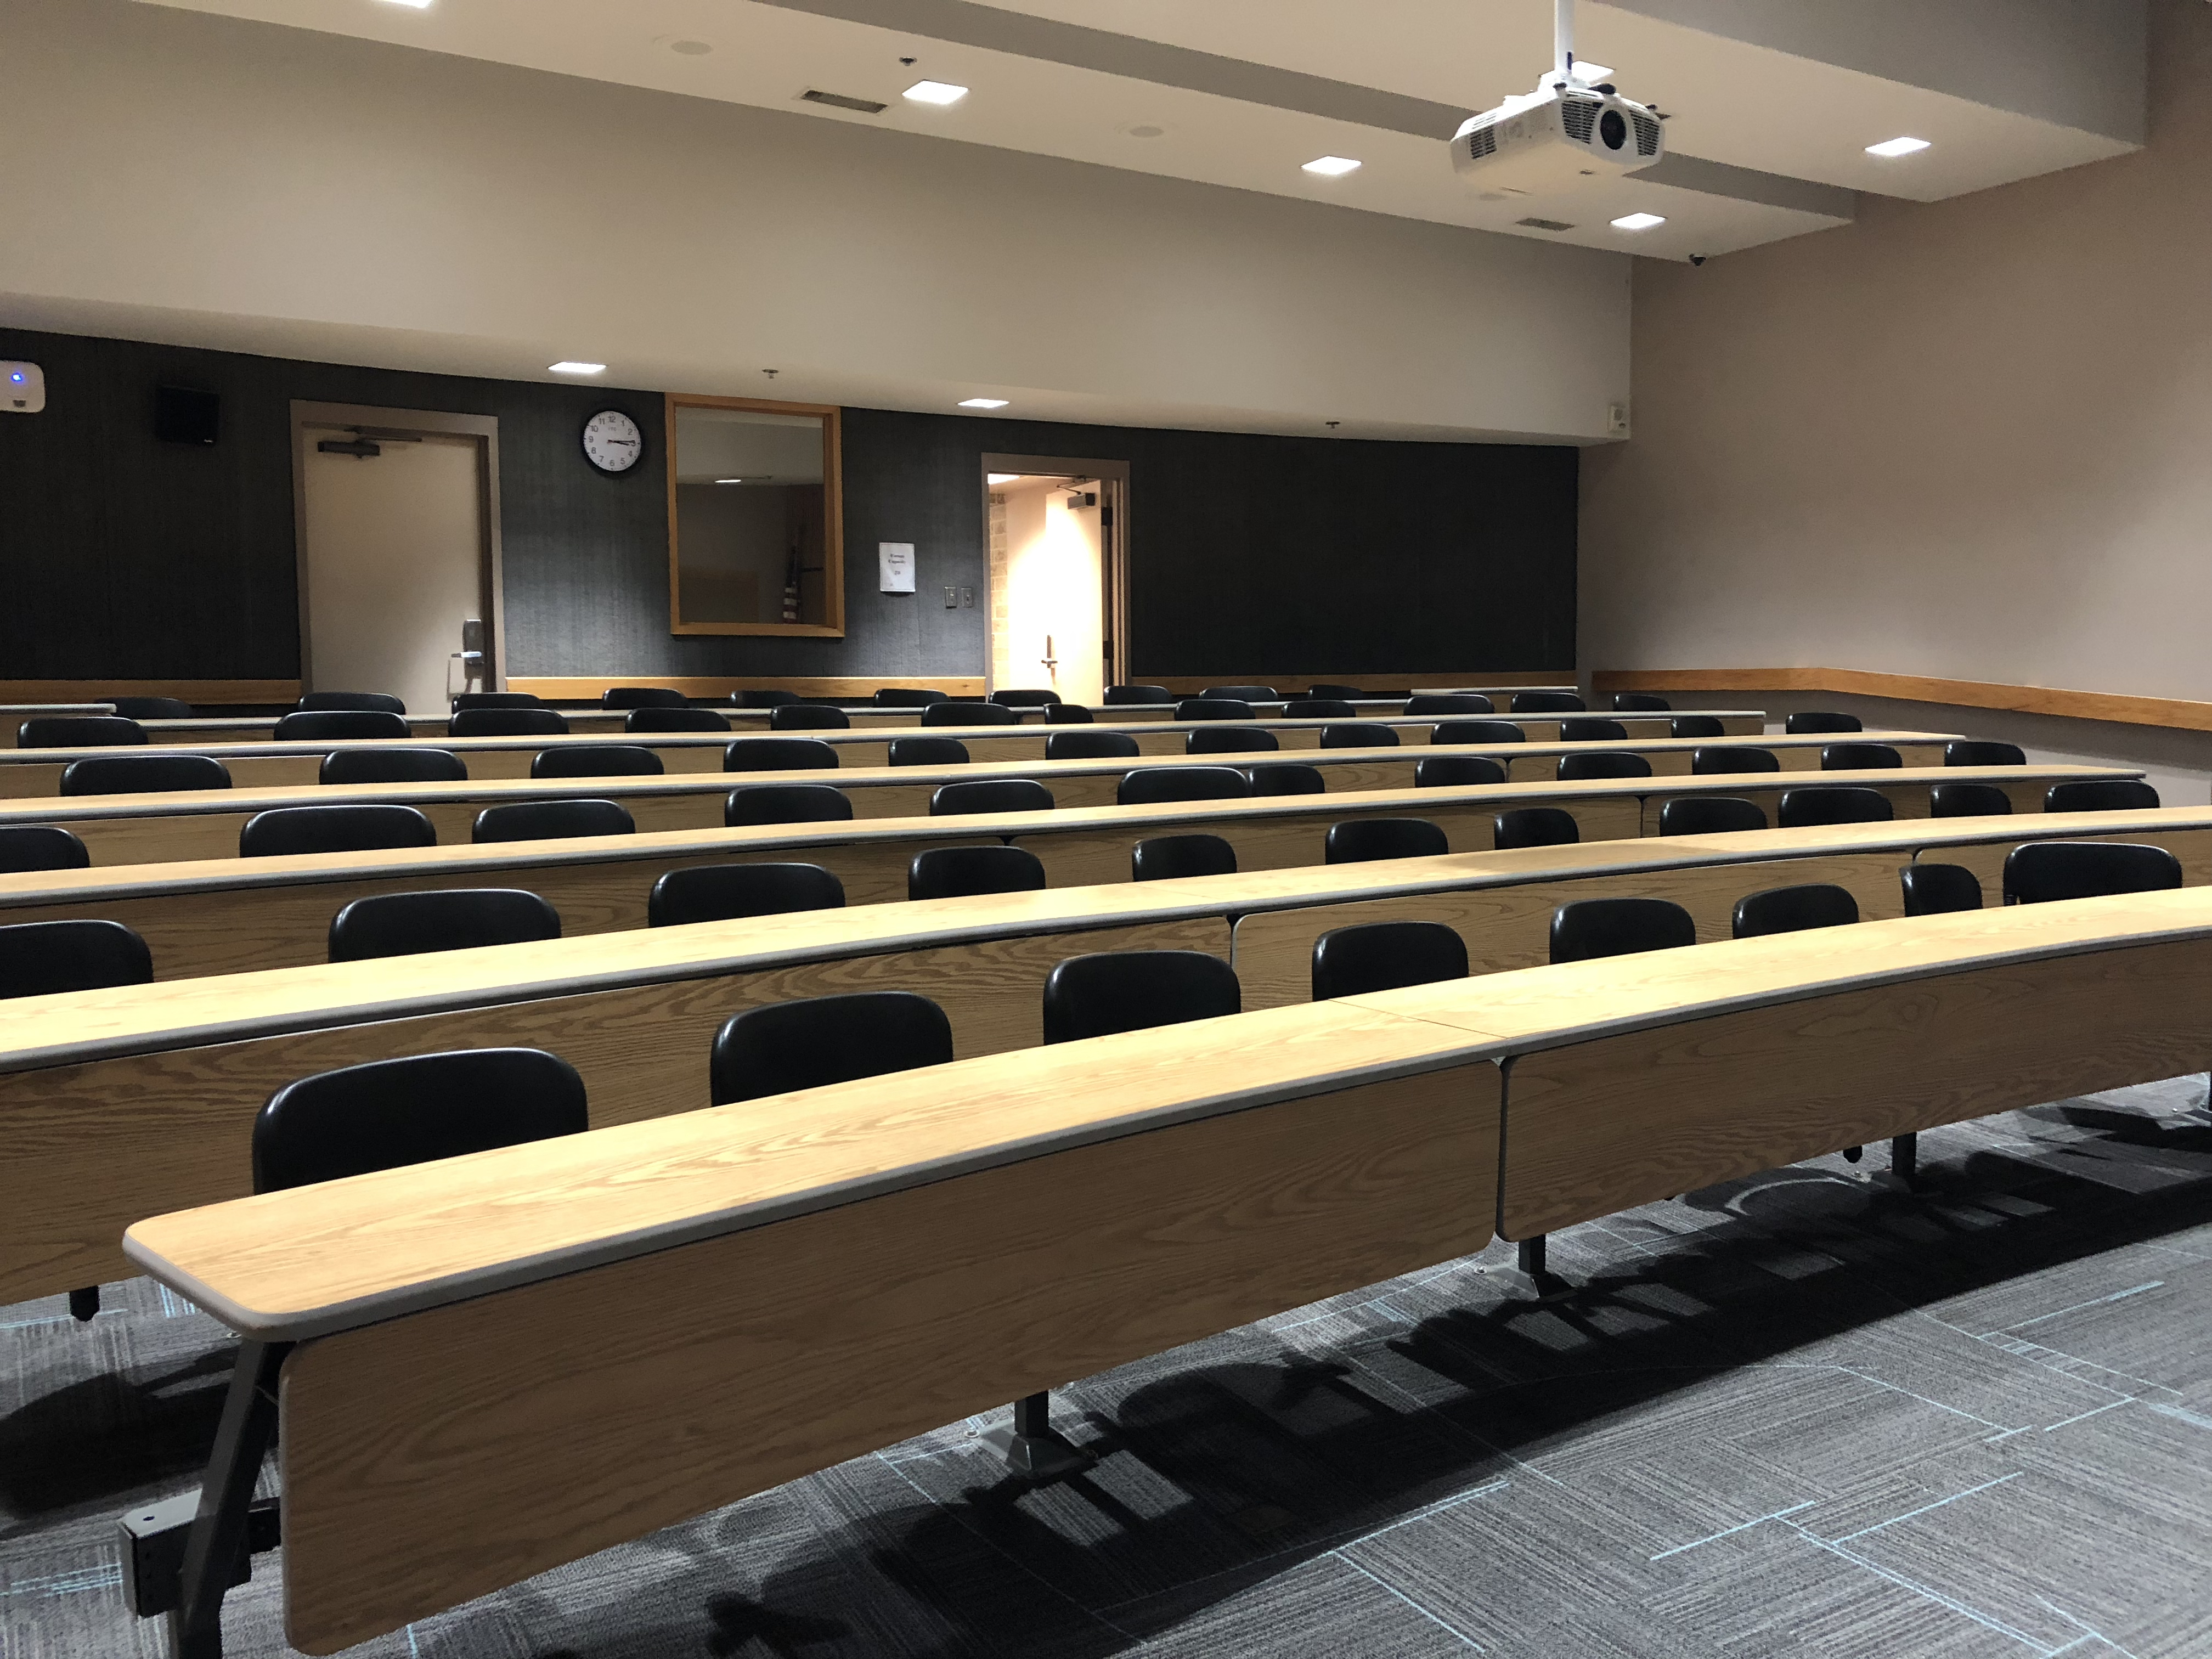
(1059, 573)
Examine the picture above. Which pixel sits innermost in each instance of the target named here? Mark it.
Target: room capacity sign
(896, 560)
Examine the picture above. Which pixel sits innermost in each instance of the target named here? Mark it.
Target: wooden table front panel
(1986, 858)
(1597, 1127)
(443, 1455)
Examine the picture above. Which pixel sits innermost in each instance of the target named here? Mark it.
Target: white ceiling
(1245, 91)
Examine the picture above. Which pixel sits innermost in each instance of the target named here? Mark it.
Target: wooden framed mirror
(756, 518)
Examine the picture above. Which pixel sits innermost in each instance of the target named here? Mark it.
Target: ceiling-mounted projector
(1562, 136)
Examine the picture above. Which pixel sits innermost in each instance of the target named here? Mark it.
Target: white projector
(1558, 138)
(22, 388)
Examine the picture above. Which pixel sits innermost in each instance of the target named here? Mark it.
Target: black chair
(1117, 696)
(1456, 771)
(465, 701)
(642, 696)
(381, 702)
(597, 760)
(908, 696)
(991, 795)
(1067, 714)
(343, 725)
(818, 1041)
(1858, 757)
(142, 774)
(1243, 693)
(928, 751)
(1213, 708)
(505, 723)
(1735, 757)
(1829, 803)
(780, 755)
(970, 872)
(1385, 956)
(1285, 778)
(2038, 872)
(1709, 815)
(1586, 929)
(1695, 726)
(1168, 858)
(1339, 692)
(151, 708)
(1319, 709)
(1231, 740)
(786, 803)
(1091, 745)
(1966, 751)
(452, 919)
(1362, 840)
(2119, 795)
(807, 717)
(1639, 703)
(1450, 702)
(1967, 800)
(675, 720)
(79, 732)
(553, 820)
(1592, 728)
(1546, 703)
(971, 713)
(392, 766)
(1110, 992)
(1614, 763)
(1019, 699)
(1361, 735)
(727, 892)
(1814, 722)
(1151, 786)
(762, 697)
(28, 846)
(1938, 889)
(1535, 826)
(390, 1113)
(1477, 731)
(1793, 909)
(284, 831)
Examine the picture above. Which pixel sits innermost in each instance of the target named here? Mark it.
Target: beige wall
(1971, 438)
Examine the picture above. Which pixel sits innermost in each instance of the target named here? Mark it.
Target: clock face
(612, 442)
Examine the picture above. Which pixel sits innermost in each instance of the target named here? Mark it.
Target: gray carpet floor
(1802, 1415)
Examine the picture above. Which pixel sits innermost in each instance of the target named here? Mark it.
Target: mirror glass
(752, 519)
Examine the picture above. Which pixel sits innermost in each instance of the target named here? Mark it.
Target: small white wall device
(1570, 132)
(22, 388)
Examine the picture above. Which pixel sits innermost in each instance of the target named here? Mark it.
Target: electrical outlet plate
(1616, 420)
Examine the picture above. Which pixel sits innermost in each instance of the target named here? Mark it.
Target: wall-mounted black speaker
(182, 415)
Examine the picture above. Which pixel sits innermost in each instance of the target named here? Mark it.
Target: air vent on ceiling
(839, 100)
(1543, 224)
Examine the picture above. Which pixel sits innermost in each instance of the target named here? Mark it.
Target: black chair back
(1858, 757)
(1815, 721)
(780, 755)
(1735, 757)
(467, 700)
(1091, 745)
(2038, 872)
(1319, 709)
(1385, 956)
(381, 702)
(392, 766)
(1794, 910)
(1639, 703)
(1117, 695)
(816, 1042)
(1585, 929)
(1213, 708)
(1112, 991)
(1614, 763)
(1966, 751)
(1285, 778)
(1709, 815)
(991, 795)
(1450, 702)
(1828, 802)
(151, 708)
(969, 871)
(449, 919)
(1170, 858)
(1243, 693)
(1592, 728)
(1361, 841)
(1151, 785)
(2090, 795)
(1456, 771)
(507, 722)
(1020, 699)
(642, 696)
(1484, 732)
(1967, 800)
(928, 751)
(46, 958)
(597, 760)
(1339, 692)
(28, 847)
(1695, 726)
(1231, 740)
(553, 820)
(1937, 889)
(1068, 714)
(342, 725)
(807, 717)
(1535, 826)
(284, 831)
(727, 892)
(143, 774)
(762, 697)
(675, 720)
(1363, 735)
(971, 713)
(78, 732)
(1546, 703)
(786, 803)
(908, 697)
(389, 1114)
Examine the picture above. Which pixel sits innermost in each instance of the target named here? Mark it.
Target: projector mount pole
(1563, 38)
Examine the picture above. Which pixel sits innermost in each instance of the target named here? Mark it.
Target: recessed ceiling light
(1000, 477)
(419, 5)
(1898, 147)
(729, 481)
(686, 48)
(1145, 130)
(936, 92)
(1638, 221)
(565, 367)
(1331, 166)
(982, 403)
(1591, 73)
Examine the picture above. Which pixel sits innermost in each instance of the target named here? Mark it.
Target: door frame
(1114, 552)
(369, 421)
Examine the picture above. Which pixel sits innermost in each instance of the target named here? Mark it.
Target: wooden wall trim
(208, 692)
(2171, 712)
(586, 688)
(1191, 684)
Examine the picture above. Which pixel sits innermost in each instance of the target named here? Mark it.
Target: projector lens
(1613, 129)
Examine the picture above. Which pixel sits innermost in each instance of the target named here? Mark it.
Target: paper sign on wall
(896, 559)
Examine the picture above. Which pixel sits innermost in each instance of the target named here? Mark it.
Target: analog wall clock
(612, 442)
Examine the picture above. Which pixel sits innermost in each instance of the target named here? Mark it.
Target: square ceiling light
(1638, 221)
(1896, 147)
(936, 92)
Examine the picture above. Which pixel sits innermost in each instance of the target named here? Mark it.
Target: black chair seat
(597, 760)
(48, 958)
(1450, 702)
(1319, 709)
(1118, 695)
(2039, 872)
(1586, 929)
(151, 708)
(1170, 858)
(449, 919)
(928, 751)
(553, 820)
(506, 722)
(1575, 769)
(1794, 910)
(991, 795)
(642, 696)
(969, 871)
(1114, 991)
(1594, 728)
(286, 831)
(1359, 735)
(1828, 802)
(79, 732)
(1535, 826)
(2090, 796)
(1021, 699)
(1812, 722)
(908, 696)
(392, 766)
(675, 720)
(468, 700)
(1546, 703)
(1360, 841)
(807, 717)
(1639, 703)
(28, 847)
(1709, 815)
(1858, 757)
(1967, 800)
(1937, 890)
(818, 1041)
(762, 697)
(1231, 740)
(1735, 757)
(1285, 778)
(787, 803)
(1695, 726)
(1456, 771)
(341, 725)
(1091, 745)
(1068, 714)
(1966, 751)
(971, 713)
(1385, 956)
(1213, 708)
(1477, 731)
(138, 775)
(382, 703)
(780, 755)
(1151, 786)
(727, 892)
(1345, 693)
